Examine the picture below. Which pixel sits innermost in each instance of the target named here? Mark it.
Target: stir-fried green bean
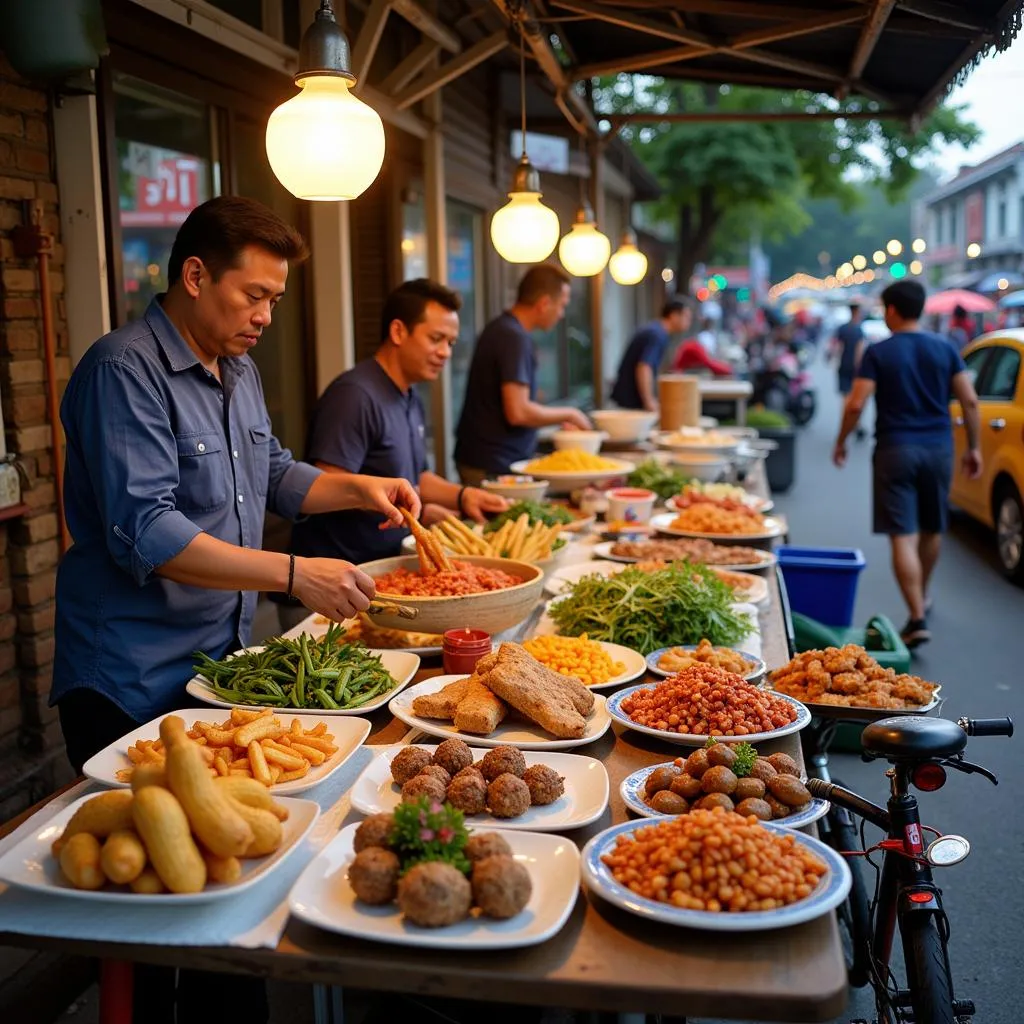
(301, 673)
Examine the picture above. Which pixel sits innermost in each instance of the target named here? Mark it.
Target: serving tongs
(403, 611)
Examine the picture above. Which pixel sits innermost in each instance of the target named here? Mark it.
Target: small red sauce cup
(463, 648)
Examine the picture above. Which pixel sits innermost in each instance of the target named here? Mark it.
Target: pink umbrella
(942, 303)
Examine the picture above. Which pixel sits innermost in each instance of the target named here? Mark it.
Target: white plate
(831, 890)
(349, 735)
(516, 731)
(565, 483)
(802, 720)
(316, 625)
(752, 501)
(323, 897)
(402, 665)
(751, 643)
(30, 865)
(756, 592)
(632, 792)
(584, 799)
(635, 665)
(670, 440)
(663, 524)
(604, 551)
(755, 675)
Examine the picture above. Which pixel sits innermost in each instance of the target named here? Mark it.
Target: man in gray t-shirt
(500, 414)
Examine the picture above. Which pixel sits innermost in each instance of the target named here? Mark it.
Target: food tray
(839, 713)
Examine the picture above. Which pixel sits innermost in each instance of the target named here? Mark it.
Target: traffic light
(721, 280)
(743, 295)
(897, 270)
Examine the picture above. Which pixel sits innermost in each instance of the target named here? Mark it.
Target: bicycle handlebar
(987, 726)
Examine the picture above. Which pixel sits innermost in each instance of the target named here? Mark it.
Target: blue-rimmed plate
(614, 707)
(831, 890)
(755, 675)
(632, 792)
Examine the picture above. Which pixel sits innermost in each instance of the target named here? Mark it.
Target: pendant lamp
(627, 264)
(524, 230)
(325, 144)
(584, 250)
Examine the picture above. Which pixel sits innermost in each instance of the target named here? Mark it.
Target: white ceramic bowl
(706, 467)
(624, 424)
(518, 490)
(587, 440)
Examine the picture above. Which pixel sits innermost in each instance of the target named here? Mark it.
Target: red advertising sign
(974, 217)
(166, 198)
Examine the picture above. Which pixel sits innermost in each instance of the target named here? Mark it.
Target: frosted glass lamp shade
(325, 144)
(524, 230)
(628, 264)
(584, 251)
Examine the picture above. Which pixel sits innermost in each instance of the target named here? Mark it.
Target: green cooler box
(880, 639)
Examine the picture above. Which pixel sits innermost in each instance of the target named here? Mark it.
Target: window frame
(995, 354)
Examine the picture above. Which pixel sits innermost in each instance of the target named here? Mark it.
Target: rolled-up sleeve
(124, 431)
(290, 481)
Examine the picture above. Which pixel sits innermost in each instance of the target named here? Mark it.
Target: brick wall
(31, 760)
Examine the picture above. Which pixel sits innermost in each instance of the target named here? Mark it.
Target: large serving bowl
(546, 565)
(587, 440)
(517, 488)
(624, 425)
(706, 466)
(566, 483)
(491, 611)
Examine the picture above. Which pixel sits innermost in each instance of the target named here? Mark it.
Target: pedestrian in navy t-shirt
(500, 413)
(914, 375)
(638, 371)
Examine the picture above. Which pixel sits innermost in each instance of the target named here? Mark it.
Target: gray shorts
(911, 489)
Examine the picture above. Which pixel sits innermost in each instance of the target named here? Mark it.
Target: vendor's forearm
(972, 424)
(208, 562)
(331, 492)
(851, 417)
(536, 415)
(435, 490)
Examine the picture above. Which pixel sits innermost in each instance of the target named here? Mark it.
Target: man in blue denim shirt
(171, 466)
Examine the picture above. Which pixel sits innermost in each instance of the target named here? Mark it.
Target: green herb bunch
(746, 755)
(537, 512)
(426, 830)
(653, 476)
(681, 604)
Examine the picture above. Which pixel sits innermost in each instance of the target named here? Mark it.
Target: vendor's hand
(433, 513)
(839, 454)
(385, 495)
(576, 420)
(970, 463)
(478, 504)
(332, 587)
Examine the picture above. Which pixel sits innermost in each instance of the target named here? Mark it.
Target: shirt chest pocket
(202, 473)
(259, 442)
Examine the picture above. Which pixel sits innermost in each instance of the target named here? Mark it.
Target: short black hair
(218, 230)
(676, 304)
(855, 308)
(545, 279)
(906, 297)
(408, 303)
(959, 312)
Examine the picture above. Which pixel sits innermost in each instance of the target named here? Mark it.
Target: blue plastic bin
(822, 582)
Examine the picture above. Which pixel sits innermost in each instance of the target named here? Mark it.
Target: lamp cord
(522, 80)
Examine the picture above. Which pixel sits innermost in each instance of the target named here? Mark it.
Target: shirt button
(200, 447)
(241, 497)
(235, 453)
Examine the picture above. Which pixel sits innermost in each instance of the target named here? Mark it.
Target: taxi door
(968, 494)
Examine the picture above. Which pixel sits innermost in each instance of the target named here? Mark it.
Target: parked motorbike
(782, 383)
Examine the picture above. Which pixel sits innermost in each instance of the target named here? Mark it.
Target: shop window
(166, 165)
(565, 354)
(465, 225)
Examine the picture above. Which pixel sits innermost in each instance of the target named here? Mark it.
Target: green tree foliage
(728, 176)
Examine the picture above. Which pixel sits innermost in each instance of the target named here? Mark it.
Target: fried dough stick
(432, 556)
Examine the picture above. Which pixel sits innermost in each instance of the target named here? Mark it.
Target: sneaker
(915, 633)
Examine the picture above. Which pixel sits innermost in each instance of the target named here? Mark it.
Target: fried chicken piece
(849, 683)
(479, 712)
(442, 704)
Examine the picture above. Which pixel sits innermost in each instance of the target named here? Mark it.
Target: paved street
(976, 652)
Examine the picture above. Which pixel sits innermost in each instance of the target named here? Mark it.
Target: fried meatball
(779, 809)
(434, 894)
(748, 789)
(686, 786)
(468, 793)
(501, 761)
(713, 800)
(453, 755)
(667, 802)
(437, 772)
(486, 844)
(501, 886)
(790, 791)
(784, 764)
(373, 875)
(374, 831)
(763, 769)
(720, 754)
(472, 772)
(661, 778)
(719, 780)
(408, 763)
(423, 785)
(697, 763)
(544, 783)
(508, 796)
(752, 805)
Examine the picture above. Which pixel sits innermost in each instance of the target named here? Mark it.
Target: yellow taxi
(994, 362)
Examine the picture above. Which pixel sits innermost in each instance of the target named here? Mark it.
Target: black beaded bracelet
(458, 503)
(291, 575)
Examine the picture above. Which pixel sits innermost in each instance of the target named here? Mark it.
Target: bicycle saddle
(907, 738)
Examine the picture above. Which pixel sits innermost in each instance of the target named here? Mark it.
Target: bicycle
(919, 750)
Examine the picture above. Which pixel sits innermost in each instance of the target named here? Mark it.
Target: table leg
(328, 1004)
(116, 992)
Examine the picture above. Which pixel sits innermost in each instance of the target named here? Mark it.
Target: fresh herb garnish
(653, 476)
(537, 513)
(426, 830)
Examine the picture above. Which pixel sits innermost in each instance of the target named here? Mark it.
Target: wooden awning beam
(641, 62)
(870, 33)
(427, 24)
(406, 70)
(452, 69)
(755, 115)
(635, 22)
(947, 14)
(369, 38)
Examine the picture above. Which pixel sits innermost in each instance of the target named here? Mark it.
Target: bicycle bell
(946, 851)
